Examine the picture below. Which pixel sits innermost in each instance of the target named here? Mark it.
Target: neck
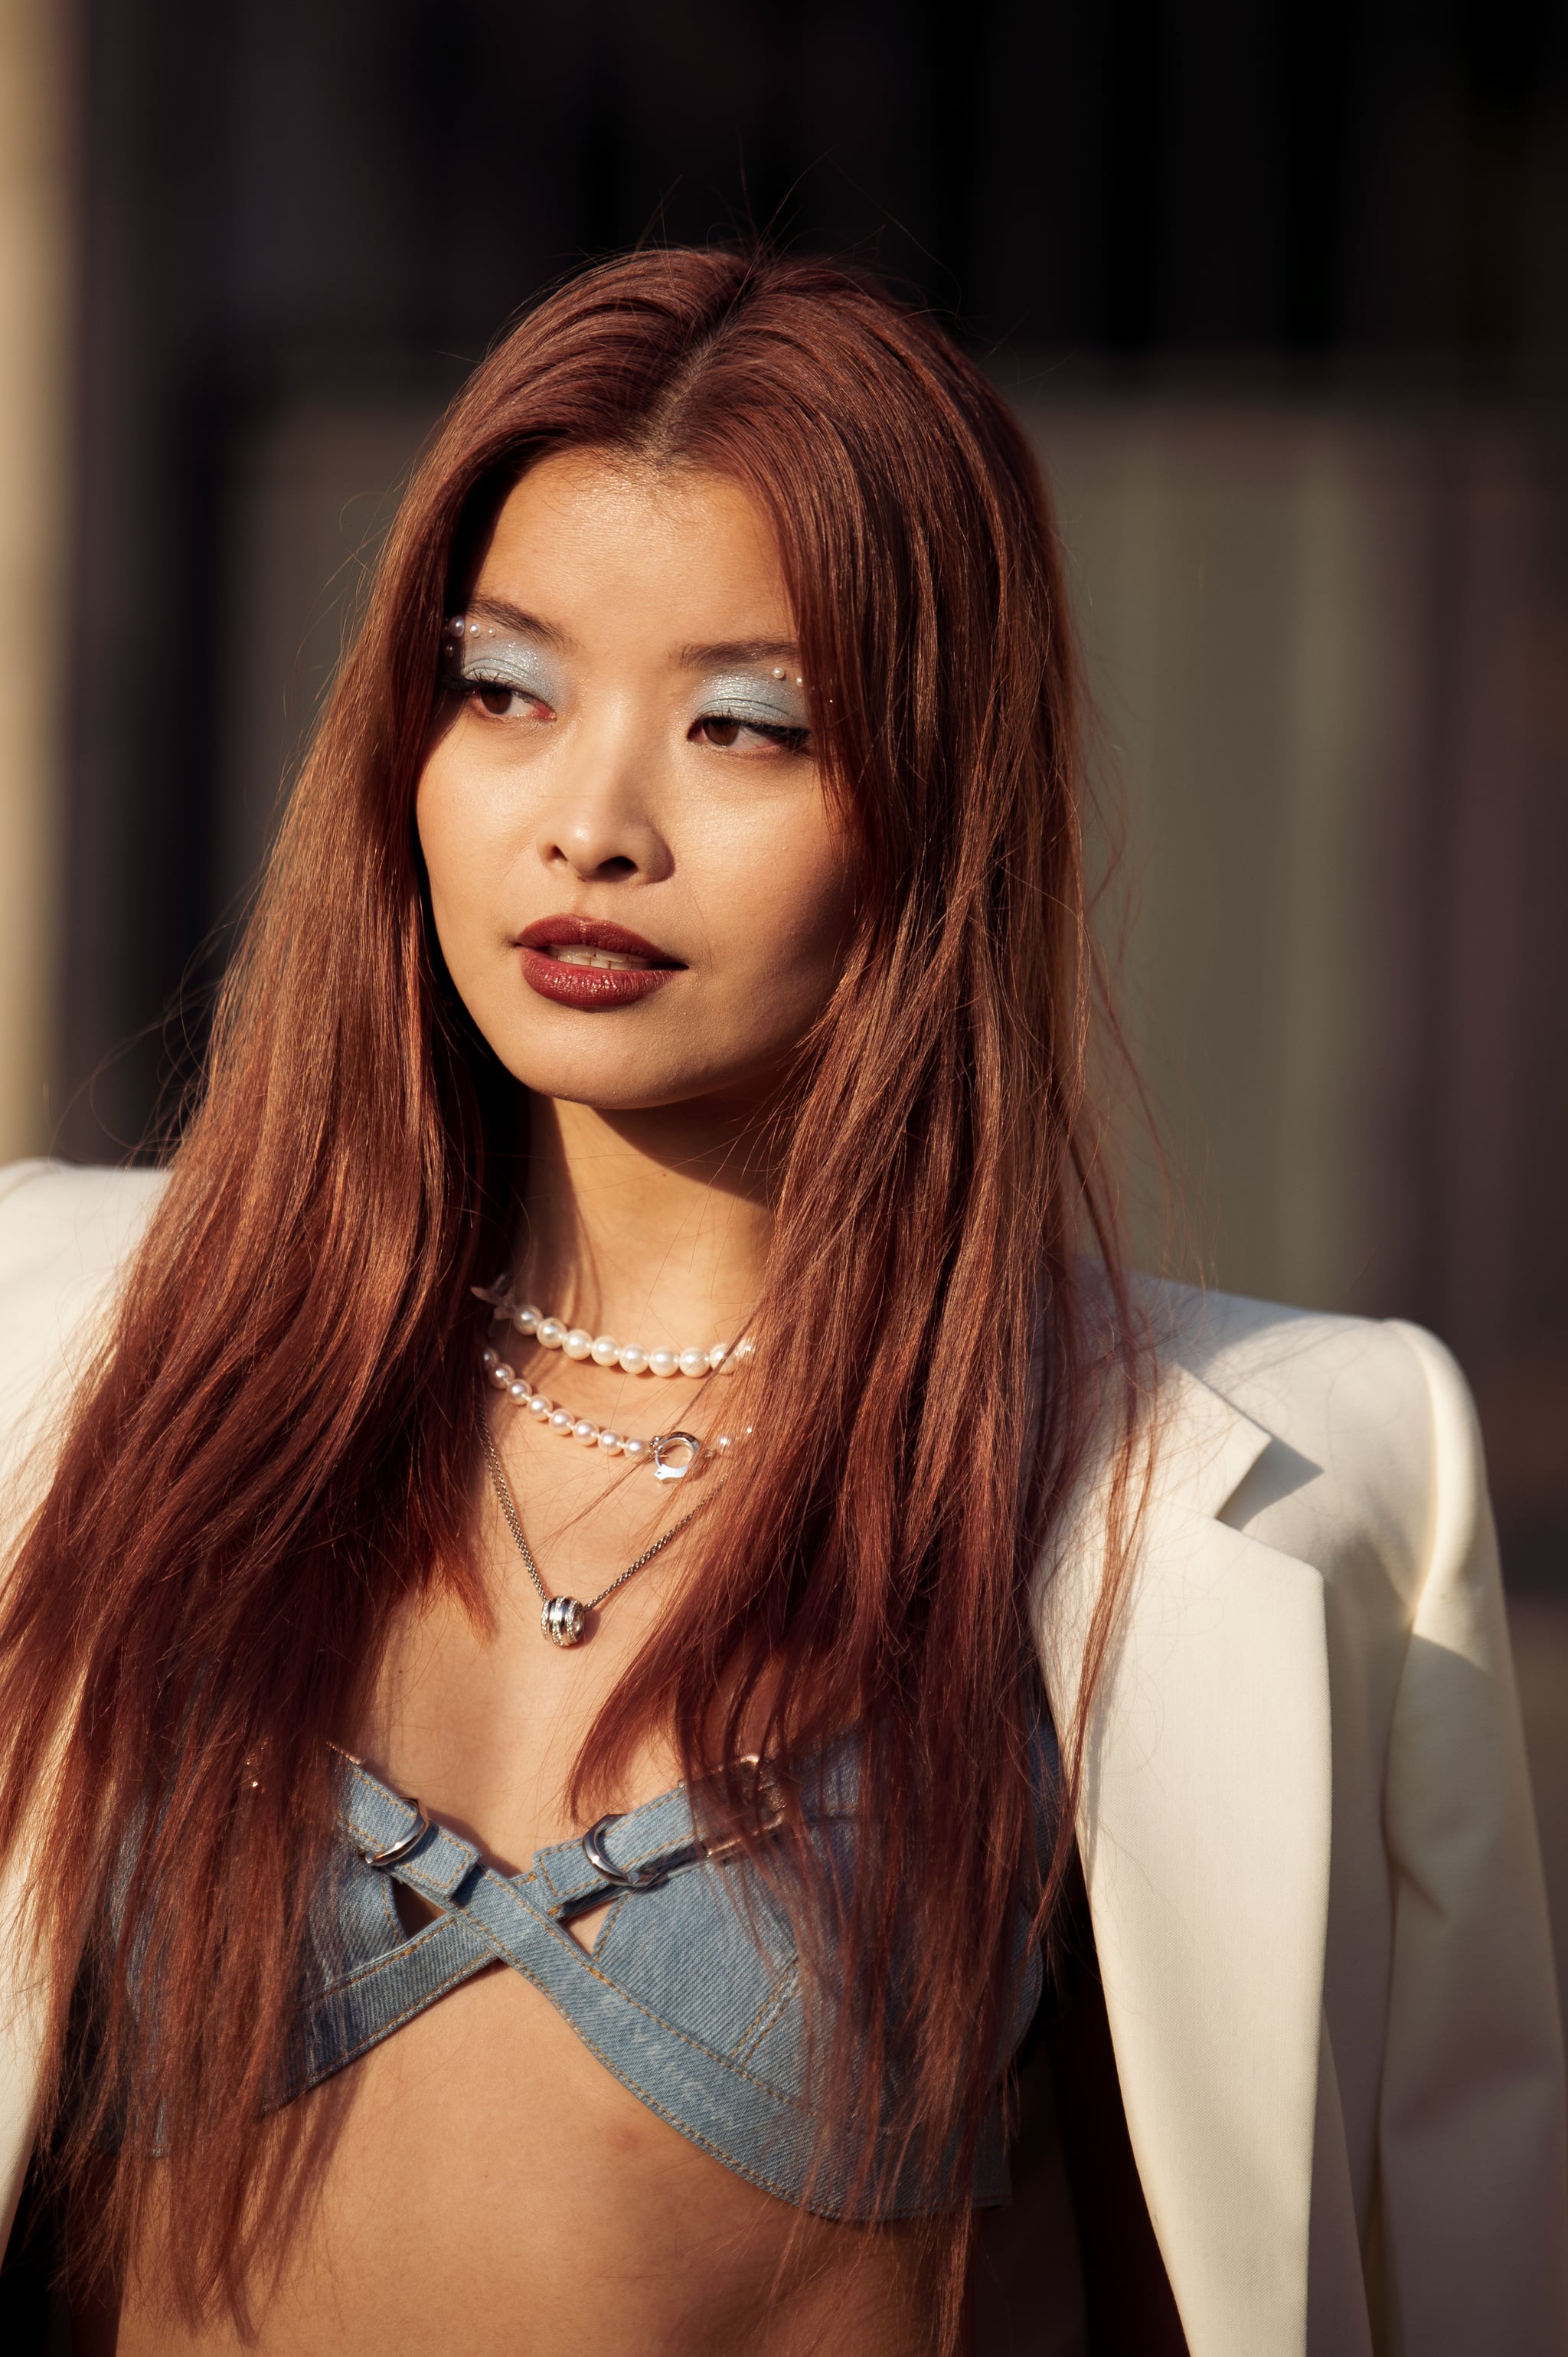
(650, 1225)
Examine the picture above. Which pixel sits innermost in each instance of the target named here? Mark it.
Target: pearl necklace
(672, 1455)
(576, 1343)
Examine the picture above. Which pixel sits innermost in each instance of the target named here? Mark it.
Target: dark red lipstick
(573, 981)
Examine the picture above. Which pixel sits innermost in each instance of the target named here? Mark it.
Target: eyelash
(466, 684)
(777, 733)
(787, 739)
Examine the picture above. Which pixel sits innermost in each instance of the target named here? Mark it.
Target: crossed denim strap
(487, 1917)
(640, 1848)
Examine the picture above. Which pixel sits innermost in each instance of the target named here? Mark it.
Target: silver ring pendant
(646, 1879)
(411, 1841)
(562, 1621)
(662, 1470)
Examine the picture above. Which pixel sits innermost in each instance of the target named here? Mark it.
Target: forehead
(585, 536)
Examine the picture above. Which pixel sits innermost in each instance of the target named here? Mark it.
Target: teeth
(579, 953)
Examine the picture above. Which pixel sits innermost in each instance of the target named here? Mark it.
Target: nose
(598, 826)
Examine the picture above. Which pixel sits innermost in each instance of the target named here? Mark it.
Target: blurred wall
(292, 205)
(36, 249)
(1331, 643)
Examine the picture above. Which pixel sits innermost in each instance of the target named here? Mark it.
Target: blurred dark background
(1282, 292)
(291, 207)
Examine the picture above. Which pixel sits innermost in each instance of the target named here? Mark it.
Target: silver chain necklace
(562, 1617)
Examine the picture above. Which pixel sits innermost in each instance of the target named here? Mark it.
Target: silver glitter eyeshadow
(766, 703)
(482, 652)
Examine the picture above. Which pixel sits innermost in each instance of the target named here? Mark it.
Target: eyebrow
(499, 609)
(739, 650)
(688, 658)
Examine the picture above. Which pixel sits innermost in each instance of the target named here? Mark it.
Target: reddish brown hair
(280, 1447)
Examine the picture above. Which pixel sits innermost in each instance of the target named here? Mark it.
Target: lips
(589, 963)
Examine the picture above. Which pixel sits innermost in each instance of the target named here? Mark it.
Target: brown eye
(720, 732)
(497, 701)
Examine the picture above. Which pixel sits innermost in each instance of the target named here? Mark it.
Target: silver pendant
(662, 1470)
(562, 1621)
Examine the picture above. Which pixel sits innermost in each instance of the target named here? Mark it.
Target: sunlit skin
(492, 2188)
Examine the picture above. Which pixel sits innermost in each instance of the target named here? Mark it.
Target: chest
(476, 1711)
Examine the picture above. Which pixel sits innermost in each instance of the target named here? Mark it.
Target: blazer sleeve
(66, 1235)
(1473, 2146)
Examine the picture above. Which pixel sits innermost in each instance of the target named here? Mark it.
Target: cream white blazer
(1306, 1829)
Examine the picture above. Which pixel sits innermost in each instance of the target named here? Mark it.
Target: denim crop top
(690, 1996)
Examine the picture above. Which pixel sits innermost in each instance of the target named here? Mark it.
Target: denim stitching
(692, 2136)
(370, 1837)
(606, 1920)
(383, 2030)
(534, 1888)
(584, 1959)
(438, 1891)
(738, 2167)
(766, 2014)
(670, 2029)
(408, 1942)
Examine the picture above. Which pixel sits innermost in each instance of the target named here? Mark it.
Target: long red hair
(278, 1448)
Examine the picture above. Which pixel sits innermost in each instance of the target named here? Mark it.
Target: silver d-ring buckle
(410, 1841)
(663, 1440)
(607, 1867)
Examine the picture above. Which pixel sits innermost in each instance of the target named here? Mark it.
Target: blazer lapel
(1204, 1831)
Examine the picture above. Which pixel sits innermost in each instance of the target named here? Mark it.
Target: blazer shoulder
(1279, 1364)
(66, 1235)
(1368, 1419)
(62, 1219)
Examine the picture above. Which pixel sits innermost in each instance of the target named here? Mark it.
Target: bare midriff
(493, 2189)
(489, 2186)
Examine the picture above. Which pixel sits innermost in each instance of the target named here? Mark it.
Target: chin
(624, 1062)
(612, 1080)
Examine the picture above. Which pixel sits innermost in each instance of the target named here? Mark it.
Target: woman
(631, 1352)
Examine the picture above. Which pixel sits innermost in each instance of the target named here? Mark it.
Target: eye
(504, 703)
(495, 673)
(499, 699)
(727, 734)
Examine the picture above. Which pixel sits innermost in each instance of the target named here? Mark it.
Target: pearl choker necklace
(576, 1343)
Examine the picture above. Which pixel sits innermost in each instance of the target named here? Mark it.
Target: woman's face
(640, 887)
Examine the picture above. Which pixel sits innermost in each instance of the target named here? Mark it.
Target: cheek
(433, 818)
(790, 901)
(458, 838)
